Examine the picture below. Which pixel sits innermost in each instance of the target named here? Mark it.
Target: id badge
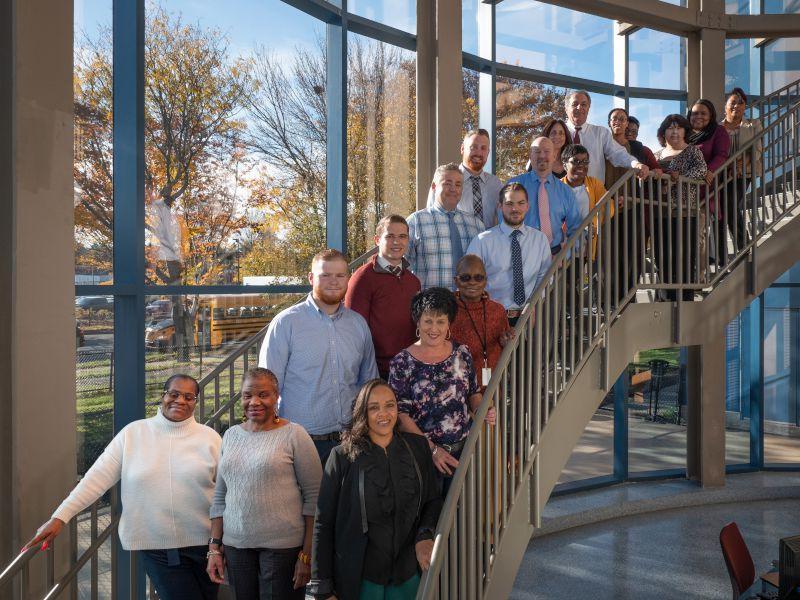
(486, 375)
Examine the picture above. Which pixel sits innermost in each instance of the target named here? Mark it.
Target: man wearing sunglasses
(516, 255)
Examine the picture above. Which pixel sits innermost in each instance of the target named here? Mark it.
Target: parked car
(160, 335)
(158, 309)
(95, 302)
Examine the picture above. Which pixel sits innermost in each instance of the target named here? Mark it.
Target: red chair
(740, 565)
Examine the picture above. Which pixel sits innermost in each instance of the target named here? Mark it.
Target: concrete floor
(659, 446)
(664, 555)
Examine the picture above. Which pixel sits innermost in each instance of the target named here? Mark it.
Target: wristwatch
(216, 541)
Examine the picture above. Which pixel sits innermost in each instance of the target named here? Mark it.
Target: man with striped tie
(516, 256)
(481, 189)
(553, 206)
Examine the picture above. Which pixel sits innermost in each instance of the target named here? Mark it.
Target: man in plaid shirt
(439, 235)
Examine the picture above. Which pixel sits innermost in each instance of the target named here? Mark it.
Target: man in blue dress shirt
(552, 202)
(516, 256)
(321, 353)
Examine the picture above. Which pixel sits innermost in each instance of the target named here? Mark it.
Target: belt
(555, 249)
(450, 448)
(333, 436)
(513, 313)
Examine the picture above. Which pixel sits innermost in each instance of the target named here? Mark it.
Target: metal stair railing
(659, 231)
(773, 105)
(216, 409)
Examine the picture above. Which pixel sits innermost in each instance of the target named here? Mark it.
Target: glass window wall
(400, 14)
(381, 137)
(93, 146)
(235, 140)
(650, 114)
(656, 60)
(554, 39)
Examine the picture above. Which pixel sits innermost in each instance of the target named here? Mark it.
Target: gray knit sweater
(266, 482)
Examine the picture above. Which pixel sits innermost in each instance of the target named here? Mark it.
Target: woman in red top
(481, 324)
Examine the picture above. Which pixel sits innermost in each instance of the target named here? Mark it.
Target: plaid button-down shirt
(429, 253)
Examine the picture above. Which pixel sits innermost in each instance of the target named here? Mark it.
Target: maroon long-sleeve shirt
(384, 300)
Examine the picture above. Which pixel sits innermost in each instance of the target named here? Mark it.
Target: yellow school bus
(218, 320)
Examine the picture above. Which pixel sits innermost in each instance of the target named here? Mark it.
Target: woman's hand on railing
(709, 177)
(216, 568)
(424, 550)
(491, 416)
(506, 336)
(46, 534)
(445, 462)
(642, 170)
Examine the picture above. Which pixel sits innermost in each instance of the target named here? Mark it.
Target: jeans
(179, 573)
(263, 574)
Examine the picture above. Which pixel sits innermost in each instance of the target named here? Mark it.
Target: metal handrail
(566, 320)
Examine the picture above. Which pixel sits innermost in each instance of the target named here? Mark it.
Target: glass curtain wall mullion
(336, 90)
(381, 32)
(129, 221)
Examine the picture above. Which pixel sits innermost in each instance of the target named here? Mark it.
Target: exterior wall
(37, 356)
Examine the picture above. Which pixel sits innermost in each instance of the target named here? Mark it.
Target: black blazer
(340, 526)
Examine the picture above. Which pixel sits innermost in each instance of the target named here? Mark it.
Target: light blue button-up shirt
(494, 248)
(563, 208)
(321, 362)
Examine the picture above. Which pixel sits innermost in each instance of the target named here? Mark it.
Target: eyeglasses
(175, 394)
(579, 163)
(466, 277)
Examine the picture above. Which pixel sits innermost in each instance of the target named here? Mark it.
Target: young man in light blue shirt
(322, 353)
(516, 256)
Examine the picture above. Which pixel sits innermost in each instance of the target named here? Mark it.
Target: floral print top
(435, 395)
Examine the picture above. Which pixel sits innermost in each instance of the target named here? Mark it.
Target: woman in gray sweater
(262, 515)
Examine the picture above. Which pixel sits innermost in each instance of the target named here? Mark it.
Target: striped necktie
(477, 196)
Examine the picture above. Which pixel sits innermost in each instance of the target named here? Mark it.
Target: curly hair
(355, 438)
(259, 373)
(437, 300)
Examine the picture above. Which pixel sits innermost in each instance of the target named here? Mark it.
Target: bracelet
(304, 558)
(211, 553)
(435, 450)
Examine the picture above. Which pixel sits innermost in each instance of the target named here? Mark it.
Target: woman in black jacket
(377, 507)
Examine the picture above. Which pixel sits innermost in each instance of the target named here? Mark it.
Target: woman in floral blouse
(679, 158)
(435, 381)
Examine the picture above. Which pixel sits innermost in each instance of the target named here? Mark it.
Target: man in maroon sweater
(381, 292)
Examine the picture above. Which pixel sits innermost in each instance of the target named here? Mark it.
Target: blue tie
(516, 269)
(455, 239)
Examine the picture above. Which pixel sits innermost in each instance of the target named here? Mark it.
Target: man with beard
(554, 206)
(439, 235)
(516, 256)
(322, 353)
(481, 188)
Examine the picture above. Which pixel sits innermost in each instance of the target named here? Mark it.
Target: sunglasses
(465, 277)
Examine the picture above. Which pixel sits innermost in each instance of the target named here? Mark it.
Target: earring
(447, 337)
(275, 419)
(417, 332)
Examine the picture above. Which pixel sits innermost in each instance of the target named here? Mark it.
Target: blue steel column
(336, 219)
(129, 387)
(755, 371)
(621, 426)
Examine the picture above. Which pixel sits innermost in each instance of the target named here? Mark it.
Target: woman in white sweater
(167, 465)
(262, 516)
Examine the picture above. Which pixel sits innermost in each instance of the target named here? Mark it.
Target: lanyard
(483, 340)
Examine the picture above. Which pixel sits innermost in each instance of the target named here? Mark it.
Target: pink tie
(544, 213)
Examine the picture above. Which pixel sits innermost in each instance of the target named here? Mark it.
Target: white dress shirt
(494, 248)
(601, 145)
(490, 193)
